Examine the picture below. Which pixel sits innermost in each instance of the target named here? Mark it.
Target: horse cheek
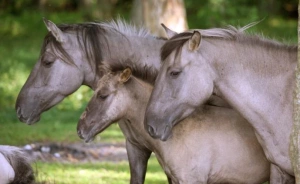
(70, 81)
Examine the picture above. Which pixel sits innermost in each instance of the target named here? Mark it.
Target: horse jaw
(30, 117)
(28, 120)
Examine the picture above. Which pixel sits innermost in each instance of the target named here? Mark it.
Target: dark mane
(231, 33)
(145, 73)
(175, 43)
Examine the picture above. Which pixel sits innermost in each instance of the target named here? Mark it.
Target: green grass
(56, 125)
(91, 173)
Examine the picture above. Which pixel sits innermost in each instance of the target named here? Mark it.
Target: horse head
(105, 107)
(177, 90)
(59, 72)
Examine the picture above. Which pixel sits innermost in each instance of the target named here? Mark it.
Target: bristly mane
(127, 28)
(146, 73)
(231, 33)
(90, 37)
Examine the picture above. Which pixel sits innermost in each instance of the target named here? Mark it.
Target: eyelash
(175, 74)
(48, 63)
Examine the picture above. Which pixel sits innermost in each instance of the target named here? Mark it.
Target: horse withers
(254, 75)
(213, 145)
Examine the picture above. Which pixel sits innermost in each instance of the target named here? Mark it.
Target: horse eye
(102, 97)
(47, 64)
(175, 73)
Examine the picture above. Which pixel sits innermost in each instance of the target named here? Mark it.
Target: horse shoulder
(225, 142)
(244, 148)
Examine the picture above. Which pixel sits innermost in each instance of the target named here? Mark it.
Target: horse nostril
(151, 130)
(79, 134)
(19, 112)
(79, 130)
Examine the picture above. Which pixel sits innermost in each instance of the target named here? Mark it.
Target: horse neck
(258, 82)
(94, 49)
(147, 52)
(139, 53)
(261, 60)
(90, 78)
(132, 124)
(254, 68)
(139, 92)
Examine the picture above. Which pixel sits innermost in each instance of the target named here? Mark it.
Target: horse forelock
(56, 47)
(90, 37)
(175, 43)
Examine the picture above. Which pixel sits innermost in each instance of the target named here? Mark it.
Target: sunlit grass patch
(82, 173)
(94, 173)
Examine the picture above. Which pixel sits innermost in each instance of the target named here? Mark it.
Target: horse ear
(194, 41)
(125, 75)
(56, 32)
(170, 33)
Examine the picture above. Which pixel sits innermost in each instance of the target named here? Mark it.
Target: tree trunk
(152, 13)
(295, 136)
(97, 10)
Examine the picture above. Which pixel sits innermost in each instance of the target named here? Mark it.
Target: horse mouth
(95, 131)
(89, 138)
(33, 118)
(31, 121)
(30, 113)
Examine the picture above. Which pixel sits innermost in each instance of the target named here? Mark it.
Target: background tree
(295, 136)
(152, 13)
(97, 9)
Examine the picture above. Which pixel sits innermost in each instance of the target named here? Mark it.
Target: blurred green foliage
(278, 18)
(101, 172)
(216, 13)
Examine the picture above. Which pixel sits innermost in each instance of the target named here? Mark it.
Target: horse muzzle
(86, 137)
(32, 118)
(162, 133)
(84, 132)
